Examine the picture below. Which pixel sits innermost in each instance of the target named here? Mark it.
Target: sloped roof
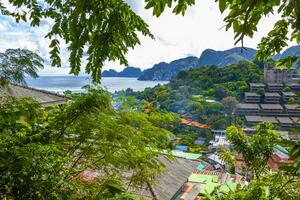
(45, 98)
(171, 181)
(271, 106)
(272, 94)
(292, 106)
(247, 106)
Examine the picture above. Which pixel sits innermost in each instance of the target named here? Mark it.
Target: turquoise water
(75, 83)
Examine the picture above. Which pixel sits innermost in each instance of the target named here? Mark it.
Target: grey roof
(272, 94)
(289, 94)
(275, 84)
(252, 94)
(171, 181)
(247, 106)
(285, 120)
(269, 119)
(271, 106)
(253, 118)
(296, 120)
(45, 98)
(261, 119)
(293, 84)
(257, 85)
(292, 106)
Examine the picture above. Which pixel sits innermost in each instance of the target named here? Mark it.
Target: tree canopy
(15, 64)
(44, 151)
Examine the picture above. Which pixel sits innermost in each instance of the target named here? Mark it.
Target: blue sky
(175, 36)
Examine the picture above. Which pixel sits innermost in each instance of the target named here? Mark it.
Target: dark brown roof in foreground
(45, 98)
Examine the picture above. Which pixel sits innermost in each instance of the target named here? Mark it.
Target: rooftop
(288, 94)
(261, 119)
(252, 94)
(190, 156)
(257, 85)
(296, 120)
(253, 118)
(285, 120)
(43, 97)
(271, 106)
(269, 119)
(275, 84)
(247, 106)
(169, 183)
(272, 94)
(292, 106)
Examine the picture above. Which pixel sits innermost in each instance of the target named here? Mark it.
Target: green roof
(202, 178)
(181, 154)
(210, 186)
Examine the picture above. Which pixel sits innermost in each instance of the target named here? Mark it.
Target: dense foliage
(102, 30)
(282, 183)
(185, 94)
(43, 150)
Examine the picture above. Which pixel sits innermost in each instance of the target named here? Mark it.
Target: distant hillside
(165, 71)
(127, 72)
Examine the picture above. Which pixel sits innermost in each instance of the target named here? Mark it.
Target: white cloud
(176, 36)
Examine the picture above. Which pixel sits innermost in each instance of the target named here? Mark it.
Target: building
(253, 120)
(285, 122)
(252, 97)
(275, 87)
(276, 75)
(45, 98)
(256, 86)
(296, 121)
(289, 96)
(271, 109)
(247, 109)
(293, 86)
(292, 109)
(272, 97)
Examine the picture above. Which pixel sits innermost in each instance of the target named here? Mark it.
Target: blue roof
(181, 147)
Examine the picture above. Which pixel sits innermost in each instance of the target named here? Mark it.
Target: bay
(75, 83)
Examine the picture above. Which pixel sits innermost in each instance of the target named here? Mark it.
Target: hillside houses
(272, 100)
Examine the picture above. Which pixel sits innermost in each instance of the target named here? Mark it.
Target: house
(271, 109)
(285, 122)
(293, 86)
(169, 184)
(244, 109)
(252, 97)
(253, 120)
(289, 96)
(45, 98)
(256, 86)
(272, 97)
(275, 87)
(292, 109)
(277, 75)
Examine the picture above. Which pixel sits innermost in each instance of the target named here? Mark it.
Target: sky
(175, 36)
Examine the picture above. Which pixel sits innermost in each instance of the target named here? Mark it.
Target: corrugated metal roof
(45, 98)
